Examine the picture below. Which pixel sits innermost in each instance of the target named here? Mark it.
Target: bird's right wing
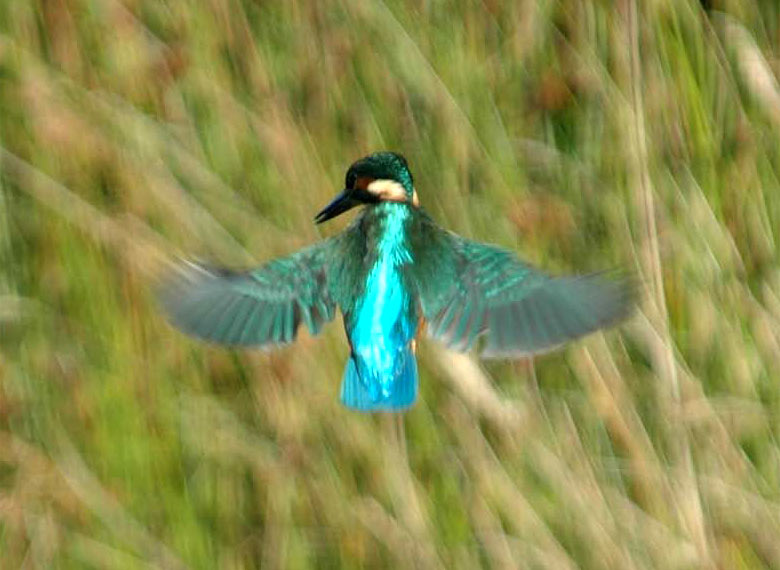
(467, 289)
(259, 307)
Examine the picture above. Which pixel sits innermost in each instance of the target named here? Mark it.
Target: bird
(392, 273)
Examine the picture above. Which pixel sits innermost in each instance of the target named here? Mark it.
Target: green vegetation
(581, 134)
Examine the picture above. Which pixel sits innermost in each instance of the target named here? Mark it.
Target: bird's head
(378, 177)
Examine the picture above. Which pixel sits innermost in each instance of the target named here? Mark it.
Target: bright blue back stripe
(403, 394)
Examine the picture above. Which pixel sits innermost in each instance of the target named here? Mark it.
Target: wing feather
(467, 289)
(260, 307)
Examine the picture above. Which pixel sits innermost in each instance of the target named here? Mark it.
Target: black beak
(339, 205)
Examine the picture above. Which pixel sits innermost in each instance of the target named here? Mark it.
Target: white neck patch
(391, 191)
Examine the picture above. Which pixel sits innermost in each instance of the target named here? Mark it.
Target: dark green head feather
(374, 178)
(381, 166)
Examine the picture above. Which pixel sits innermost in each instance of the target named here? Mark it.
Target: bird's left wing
(260, 307)
(467, 289)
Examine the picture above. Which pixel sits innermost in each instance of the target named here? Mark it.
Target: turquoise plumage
(390, 269)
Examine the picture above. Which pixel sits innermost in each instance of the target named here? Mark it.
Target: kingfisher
(392, 273)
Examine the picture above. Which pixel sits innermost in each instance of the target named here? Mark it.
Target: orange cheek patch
(362, 182)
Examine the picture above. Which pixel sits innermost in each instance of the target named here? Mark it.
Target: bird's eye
(350, 182)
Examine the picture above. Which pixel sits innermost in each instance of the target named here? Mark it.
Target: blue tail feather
(368, 396)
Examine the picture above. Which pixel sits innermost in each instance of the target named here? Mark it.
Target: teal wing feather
(260, 307)
(467, 289)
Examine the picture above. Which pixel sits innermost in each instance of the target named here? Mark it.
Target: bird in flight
(391, 270)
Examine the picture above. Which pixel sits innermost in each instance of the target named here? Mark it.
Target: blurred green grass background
(584, 135)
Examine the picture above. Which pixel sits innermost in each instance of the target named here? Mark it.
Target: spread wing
(260, 307)
(467, 289)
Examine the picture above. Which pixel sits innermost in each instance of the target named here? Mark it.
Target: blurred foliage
(582, 134)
